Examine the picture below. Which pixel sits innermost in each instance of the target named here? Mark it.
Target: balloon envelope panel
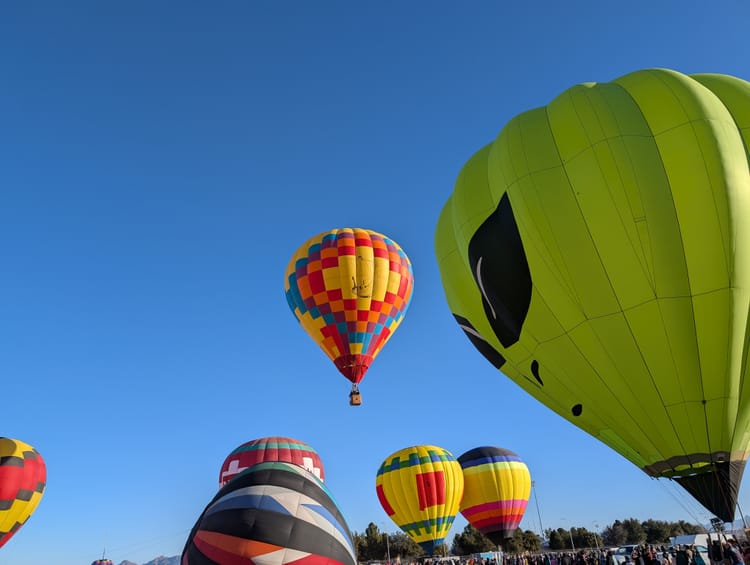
(420, 489)
(23, 476)
(598, 254)
(349, 289)
(497, 485)
(275, 448)
(271, 513)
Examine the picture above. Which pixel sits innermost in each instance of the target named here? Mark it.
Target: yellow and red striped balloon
(420, 489)
(497, 485)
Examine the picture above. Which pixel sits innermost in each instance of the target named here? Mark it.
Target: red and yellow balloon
(23, 477)
(349, 289)
(420, 488)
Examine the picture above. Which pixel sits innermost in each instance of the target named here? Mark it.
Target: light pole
(387, 546)
(539, 514)
(596, 534)
(570, 533)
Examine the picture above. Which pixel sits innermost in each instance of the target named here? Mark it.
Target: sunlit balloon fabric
(497, 485)
(598, 253)
(271, 514)
(23, 477)
(102, 562)
(349, 289)
(420, 489)
(276, 448)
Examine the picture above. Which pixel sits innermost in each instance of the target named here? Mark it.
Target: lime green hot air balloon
(598, 254)
(420, 488)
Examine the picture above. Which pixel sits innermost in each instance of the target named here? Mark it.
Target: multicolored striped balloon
(497, 485)
(275, 448)
(349, 289)
(23, 477)
(420, 489)
(274, 514)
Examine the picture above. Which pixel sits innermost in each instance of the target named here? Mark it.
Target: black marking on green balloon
(577, 409)
(489, 352)
(535, 371)
(501, 272)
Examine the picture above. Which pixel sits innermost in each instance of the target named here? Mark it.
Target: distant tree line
(374, 545)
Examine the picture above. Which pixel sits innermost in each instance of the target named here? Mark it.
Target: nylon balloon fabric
(497, 485)
(275, 448)
(597, 252)
(274, 514)
(420, 489)
(349, 289)
(23, 477)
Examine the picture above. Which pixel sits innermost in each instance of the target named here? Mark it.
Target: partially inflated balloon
(420, 489)
(497, 485)
(283, 449)
(598, 253)
(349, 289)
(23, 477)
(274, 514)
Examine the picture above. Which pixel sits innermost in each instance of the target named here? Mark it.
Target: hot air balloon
(271, 513)
(497, 485)
(420, 489)
(23, 476)
(275, 448)
(102, 562)
(598, 254)
(349, 289)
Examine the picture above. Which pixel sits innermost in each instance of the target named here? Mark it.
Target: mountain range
(161, 560)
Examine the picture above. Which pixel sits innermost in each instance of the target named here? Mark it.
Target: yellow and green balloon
(597, 252)
(420, 488)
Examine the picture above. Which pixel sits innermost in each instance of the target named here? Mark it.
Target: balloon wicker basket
(355, 399)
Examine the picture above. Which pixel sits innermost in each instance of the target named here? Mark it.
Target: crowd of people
(722, 552)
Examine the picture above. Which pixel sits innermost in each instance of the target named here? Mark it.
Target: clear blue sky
(161, 162)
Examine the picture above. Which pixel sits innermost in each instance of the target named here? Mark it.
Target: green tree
(615, 535)
(657, 531)
(523, 540)
(682, 528)
(441, 550)
(634, 531)
(557, 538)
(403, 546)
(470, 541)
(370, 545)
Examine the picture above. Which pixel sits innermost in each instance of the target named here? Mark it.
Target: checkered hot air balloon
(276, 448)
(420, 489)
(23, 477)
(274, 514)
(497, 485)
(349, 289)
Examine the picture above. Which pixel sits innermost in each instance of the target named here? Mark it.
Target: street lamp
(596, 534)
(539, 514)
(570, 533)
(387, 546)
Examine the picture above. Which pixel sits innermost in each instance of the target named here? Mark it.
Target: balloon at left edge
(349, 289)
(269, 449)
(274, 513)
(23, 476)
